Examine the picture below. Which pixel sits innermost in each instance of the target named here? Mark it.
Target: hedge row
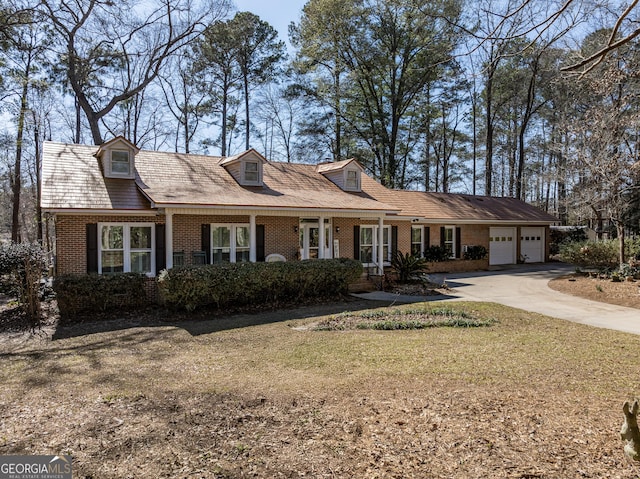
(95, 293)
(238, 284)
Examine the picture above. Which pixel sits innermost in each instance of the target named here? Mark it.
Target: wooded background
(534, 100)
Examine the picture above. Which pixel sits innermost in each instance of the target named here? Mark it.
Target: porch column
(253, 253)
(321, 237)
(168, 238)
(381, 245)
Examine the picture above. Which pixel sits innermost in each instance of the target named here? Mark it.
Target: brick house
(120, 209)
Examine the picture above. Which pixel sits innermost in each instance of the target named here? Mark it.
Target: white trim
(232, 239)
(377, 248)
(126, 245)
(454, 239)
(243, 172)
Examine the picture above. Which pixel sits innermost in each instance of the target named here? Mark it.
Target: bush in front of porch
(239, 284)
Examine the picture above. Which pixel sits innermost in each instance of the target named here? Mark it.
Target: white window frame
(258, 172)
(374, 256)
(120, 174)
(233, 247)
(126, 246)
(421, 246)
(453, 240)
(352, 187)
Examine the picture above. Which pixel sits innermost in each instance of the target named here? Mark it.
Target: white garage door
(502, 246)
(532, 244)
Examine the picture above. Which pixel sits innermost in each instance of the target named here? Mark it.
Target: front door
(310, 240)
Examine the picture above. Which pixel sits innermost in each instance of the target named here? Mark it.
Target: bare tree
(112, 51)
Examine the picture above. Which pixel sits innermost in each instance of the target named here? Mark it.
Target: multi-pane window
(120, 162)
(416, 240)
(251, 172)
(351, 182)
(450, 240)
(126, 248)
(230, 243)
(369, 244)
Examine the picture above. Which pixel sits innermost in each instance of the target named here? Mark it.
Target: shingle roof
(72, 179)
(453, 207)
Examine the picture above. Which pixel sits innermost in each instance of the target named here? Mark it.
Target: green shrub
(475, 252)
(239, 284)
(435, 254)
(407, 265)
(93, 293)
(560, 237)
(600, 255)
(21, 269)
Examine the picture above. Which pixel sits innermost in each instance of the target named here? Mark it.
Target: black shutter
(442, 236)
(458, 242)
(427, 237)
(394, 241)
(205, 242)
(356, 242)
(260, 243)
(161, 251)
(92, 248)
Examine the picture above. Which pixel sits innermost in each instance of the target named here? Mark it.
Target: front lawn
(518, 396)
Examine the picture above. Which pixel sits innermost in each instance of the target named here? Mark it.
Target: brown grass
(264, 396)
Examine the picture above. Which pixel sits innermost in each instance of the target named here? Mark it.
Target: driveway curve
(526, 287)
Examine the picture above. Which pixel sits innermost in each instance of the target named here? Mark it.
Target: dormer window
(120, 163)
(118, 158)
(346, 174)
(251, 172)
(246, 168)
(352, 180)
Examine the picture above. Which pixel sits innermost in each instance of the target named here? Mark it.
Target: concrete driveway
(526, 287)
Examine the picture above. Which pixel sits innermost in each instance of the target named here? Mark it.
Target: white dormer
(246, 168)
(118, 158)
(346, 174)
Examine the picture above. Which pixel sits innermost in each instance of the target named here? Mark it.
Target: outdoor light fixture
(295, 229)
(337, 229)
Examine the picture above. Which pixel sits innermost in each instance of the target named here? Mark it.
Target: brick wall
(71, 241)
(280, 235)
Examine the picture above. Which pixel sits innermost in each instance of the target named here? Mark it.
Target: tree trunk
(247, 129)
(620, 230)
(17, 172)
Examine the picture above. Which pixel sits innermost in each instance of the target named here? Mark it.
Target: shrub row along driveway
(526, 287)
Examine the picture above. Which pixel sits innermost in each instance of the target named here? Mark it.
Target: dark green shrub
(407, 265)
(240, 284)
(93, 293)
(475, 252)
(22, 266)
(559, 237)
(434, 254)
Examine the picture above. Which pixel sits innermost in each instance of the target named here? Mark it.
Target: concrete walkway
(526, 287)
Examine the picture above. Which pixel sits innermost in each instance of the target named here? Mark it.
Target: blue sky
(279, 13)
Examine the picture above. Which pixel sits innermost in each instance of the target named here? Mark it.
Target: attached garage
(532, 244)
(502, 246)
